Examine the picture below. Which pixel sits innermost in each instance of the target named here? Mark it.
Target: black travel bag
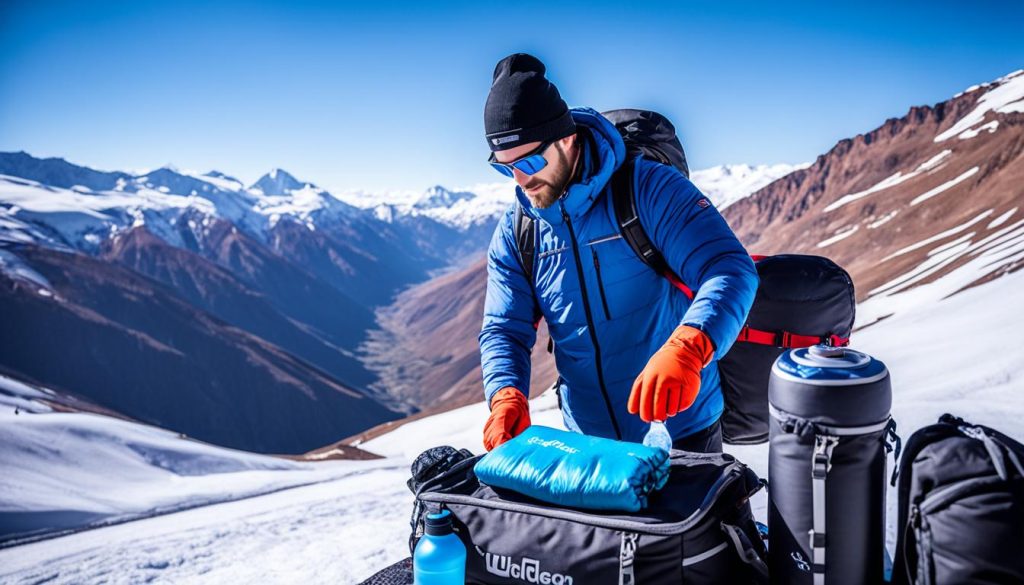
(697, 529)
(961, 507)
(801, 301)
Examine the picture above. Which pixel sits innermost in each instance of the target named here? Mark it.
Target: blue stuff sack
(574, 470)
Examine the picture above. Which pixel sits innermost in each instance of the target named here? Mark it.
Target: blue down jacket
(607, 311)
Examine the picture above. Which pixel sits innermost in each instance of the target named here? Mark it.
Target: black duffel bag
(697, 529)
(801, 301)
(961, 507)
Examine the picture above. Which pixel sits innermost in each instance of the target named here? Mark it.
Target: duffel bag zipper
(732, 474)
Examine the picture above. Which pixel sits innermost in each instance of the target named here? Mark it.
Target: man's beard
(548, 191)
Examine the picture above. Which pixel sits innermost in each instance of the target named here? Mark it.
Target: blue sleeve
(510, 313)
(702, 249)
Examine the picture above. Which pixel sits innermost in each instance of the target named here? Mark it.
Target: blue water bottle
(440, 557)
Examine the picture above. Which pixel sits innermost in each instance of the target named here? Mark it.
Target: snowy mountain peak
(438, 196)
(222, 180)
(219, 175)
(278, 182)
(57, 172)
(169, 179)
(1002, 96)
(727, 184)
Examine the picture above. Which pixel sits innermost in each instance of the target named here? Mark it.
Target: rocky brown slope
(881, 203)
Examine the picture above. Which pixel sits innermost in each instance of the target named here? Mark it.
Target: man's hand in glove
(510, 415)
(670, 381)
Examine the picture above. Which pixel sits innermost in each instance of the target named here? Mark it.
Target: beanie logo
(504, 139)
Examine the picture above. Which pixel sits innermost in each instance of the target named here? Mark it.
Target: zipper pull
(627, 553)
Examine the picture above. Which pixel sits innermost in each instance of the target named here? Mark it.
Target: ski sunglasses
(529, 164)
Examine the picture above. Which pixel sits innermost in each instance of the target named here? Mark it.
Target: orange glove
(510, 415)
(671, 379)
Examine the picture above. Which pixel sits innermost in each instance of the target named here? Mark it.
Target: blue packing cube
(579, 471)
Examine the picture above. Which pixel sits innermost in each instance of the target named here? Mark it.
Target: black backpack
(801, 301)
(961, 507)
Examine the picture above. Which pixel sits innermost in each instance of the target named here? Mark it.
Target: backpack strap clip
(821, 463)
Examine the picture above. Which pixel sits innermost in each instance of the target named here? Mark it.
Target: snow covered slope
(344, 529)
(727, 184)
(65, 471)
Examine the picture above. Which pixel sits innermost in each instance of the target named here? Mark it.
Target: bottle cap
(439, 524)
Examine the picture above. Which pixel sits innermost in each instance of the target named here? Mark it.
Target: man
(629, 346)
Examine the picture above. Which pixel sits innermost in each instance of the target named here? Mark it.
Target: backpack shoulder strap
(624, 202)
(525, 227)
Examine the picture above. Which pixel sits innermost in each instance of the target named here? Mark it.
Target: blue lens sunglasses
(528, 164)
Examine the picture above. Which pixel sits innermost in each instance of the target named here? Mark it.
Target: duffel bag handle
(747, 553)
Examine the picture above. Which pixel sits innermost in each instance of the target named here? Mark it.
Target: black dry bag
(827, 466)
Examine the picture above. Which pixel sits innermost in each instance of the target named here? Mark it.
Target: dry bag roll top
(827, 463)
(801, 301)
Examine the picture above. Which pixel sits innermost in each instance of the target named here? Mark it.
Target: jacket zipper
(590, 322)
(600, 284)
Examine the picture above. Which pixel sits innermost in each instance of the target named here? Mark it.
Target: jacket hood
(601, 156)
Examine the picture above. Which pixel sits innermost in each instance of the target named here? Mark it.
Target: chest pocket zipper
(600, 285)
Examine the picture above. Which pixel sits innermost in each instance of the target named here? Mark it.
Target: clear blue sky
(390, 96)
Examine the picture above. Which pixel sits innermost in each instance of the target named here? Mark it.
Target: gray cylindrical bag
(828, 435)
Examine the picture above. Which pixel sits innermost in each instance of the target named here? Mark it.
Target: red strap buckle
(787, 339)
(836, 341)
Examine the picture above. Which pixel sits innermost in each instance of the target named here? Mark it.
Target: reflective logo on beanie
(504, 139)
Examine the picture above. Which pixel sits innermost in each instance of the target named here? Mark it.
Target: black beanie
(523, 106)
